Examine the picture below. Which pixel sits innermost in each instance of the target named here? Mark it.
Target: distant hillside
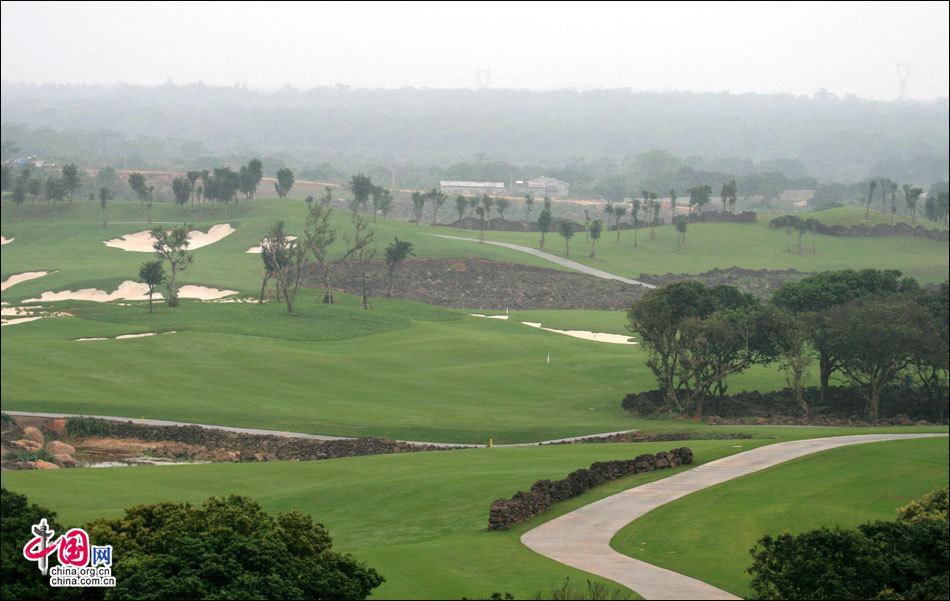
(833, 139)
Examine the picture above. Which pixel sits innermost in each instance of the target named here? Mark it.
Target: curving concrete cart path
(262, 432)
(581, 538)
(597, 273)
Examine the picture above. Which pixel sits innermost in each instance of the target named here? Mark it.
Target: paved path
(581, 538)
(597, 273)
(258, 431)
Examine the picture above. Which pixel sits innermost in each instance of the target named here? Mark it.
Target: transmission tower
(482, 76)
(903, 72)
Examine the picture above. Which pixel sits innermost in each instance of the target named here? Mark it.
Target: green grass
(419, 518)
(854, 215)
(404, 370)
(707, 535)
(751, 246)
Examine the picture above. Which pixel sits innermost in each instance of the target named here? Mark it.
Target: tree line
(872, 329)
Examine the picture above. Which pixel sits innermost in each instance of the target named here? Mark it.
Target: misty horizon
(772, 48)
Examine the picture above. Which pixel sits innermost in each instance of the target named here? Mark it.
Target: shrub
(84, 427)
(904, 559)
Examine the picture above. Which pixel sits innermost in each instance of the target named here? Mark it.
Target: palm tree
(619, 212)
(635, 217)
(528, 207)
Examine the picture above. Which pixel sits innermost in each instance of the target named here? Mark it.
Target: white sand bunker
(128, 290)
(586, 334)
(256, 250)
(27, 314)
(489, 316)
(141, 242)
(126, 336)
(22, 277)
(5, 240)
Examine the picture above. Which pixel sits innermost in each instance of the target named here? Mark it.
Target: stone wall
(234, 446)
(880, 229)
(505, 513)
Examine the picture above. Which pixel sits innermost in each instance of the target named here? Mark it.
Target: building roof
(543, 180)
(452, 184)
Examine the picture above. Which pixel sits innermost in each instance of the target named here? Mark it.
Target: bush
(227, 549)
(19, 579)
(85, 427)
(905, 559)
(24, 455)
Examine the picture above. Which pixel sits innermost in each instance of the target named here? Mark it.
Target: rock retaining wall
(880, 229)
(505, 513)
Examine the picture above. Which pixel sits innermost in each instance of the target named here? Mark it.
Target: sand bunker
(129, 290)
(126, 336)
(489, 316)
(5, 240)
(18, 311)
(22, 277)
(256, 250)
(142, 241)
(586, 334)
(13, 322)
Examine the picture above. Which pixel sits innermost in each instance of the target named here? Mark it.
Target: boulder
(34, 434)
(28, 445)
(65, 460)
(45, 465)
(57, 447)
(57, 427)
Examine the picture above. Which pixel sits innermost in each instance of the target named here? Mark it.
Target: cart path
(581, 538)
(597, 273)
(263, 432)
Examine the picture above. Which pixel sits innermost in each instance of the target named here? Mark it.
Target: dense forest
(597, 139)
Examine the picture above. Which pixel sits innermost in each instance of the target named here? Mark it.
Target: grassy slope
(752, 246)
(708, 534)
(853, 215)
(404, 370)
(419, 518)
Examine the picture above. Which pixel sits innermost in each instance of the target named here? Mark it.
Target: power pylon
(903, 72)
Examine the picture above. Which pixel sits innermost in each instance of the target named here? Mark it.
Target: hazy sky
(769, 47)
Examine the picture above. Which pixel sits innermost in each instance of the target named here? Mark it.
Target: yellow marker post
(491, 442)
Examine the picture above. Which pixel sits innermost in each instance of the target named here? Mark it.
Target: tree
(876, 339)
(872, 185)
(361, 186)
(227, 548)
(35, 187)
(460, 206)
(365, 250)
(814, 297)
(193, 177)
(911, 196)
(181, 188)
(699, 197)
(902, 559)
(327, 198)
(283, 262)
(71, 180)
(528, 208)
(250, 177)
(892, 188)
(725, 343)
(437, 198)
(487, 202)
(655, 208)
(396, 252)
(635, 218)
(139, 186)
(673, 200)
(172, 246)
(54, 189)
(795, 357)
(680, 224)
(566, 229)
(501, 205)
(480, 211)
(284, 183)
(153, 274)
(932, 361)
(105, 195)
(544, 223)
(418, 205)
(18, 195)
(659, 318)
(385, 203)
(20, 579)
(319, 236)
(619, 213)
(729, 195)
(594, 231)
